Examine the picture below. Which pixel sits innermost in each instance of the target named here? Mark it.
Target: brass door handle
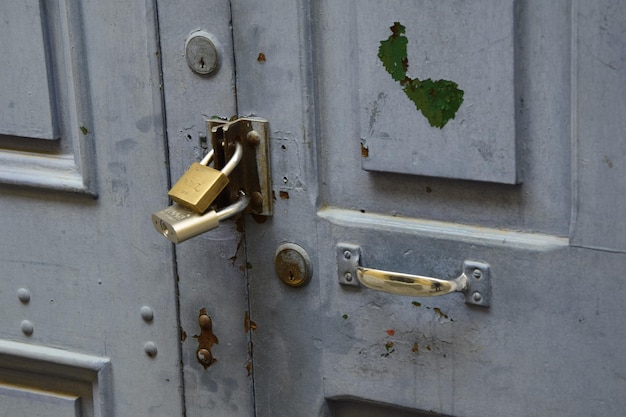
(473, 280)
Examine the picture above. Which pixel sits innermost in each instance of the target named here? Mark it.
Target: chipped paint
(437, 100)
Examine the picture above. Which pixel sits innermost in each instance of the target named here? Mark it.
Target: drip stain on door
(437, 100)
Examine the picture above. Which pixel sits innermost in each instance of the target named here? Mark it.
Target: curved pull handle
(473, 281)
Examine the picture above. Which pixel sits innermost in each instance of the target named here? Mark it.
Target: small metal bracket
(252, 175)
(348, 258)
(474, 281)
(478, 291)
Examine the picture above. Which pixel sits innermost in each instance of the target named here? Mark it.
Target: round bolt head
(27, 328)
(147, 314)
(24, 295)
(477, 297)
(477, 273)
(201, 53)
(150, 349)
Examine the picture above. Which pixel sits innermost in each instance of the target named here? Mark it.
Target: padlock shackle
(207, 158)
(234, 160)
(235, 208)
(231, 164)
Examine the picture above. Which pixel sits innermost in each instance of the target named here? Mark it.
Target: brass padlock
(178, 223)
(201, 184)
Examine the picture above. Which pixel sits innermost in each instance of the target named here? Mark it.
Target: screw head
(477, 273)
(347, 254)
(477, 297)
(347, 276)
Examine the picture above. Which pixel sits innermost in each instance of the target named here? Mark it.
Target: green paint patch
(437, 100)
(84, 130)
(388, 350)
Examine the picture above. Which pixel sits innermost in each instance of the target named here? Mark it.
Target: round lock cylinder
(201, 53)
(293, 265)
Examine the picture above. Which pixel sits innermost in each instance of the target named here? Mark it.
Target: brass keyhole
(293, 265)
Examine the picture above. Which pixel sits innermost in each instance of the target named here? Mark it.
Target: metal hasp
(252, 175)
(474, 281)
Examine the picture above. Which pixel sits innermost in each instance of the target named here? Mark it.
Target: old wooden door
(88, 309)
(498, 136)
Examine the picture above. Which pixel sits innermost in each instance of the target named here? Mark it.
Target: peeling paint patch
(284, 195)
(365, 152)
(261, 57)
(388, 350)
(437, 100)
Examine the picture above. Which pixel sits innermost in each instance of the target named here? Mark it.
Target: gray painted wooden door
(88, 308)
(528, 177)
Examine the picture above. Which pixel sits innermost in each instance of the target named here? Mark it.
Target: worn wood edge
(444, 230)
(55, 172)
(93, 370)
(17, 350)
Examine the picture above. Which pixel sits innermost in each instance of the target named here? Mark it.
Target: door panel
(471, 45)
(547, 345)
(211, 269)
(87, 296)
(27, 92)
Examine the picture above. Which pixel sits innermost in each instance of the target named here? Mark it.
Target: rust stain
(183, 335)
(415, 348)
(440, 313)
(391, 332)
(248, 324)
(284, 195)
(261, 57)
(206, 340)
(365, 152)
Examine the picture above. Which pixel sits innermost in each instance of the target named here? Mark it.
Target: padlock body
(198, 187)
(179, 223)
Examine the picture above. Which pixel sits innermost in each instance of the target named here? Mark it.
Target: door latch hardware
(252, 175)
(293, 265)
(206, 340)
(200, 185)
(178, 223)
(474, 281)
(239, 181)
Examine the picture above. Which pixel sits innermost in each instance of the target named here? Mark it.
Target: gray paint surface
(89, 264)
(26, 91)
(471, 44)
(549, 343)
